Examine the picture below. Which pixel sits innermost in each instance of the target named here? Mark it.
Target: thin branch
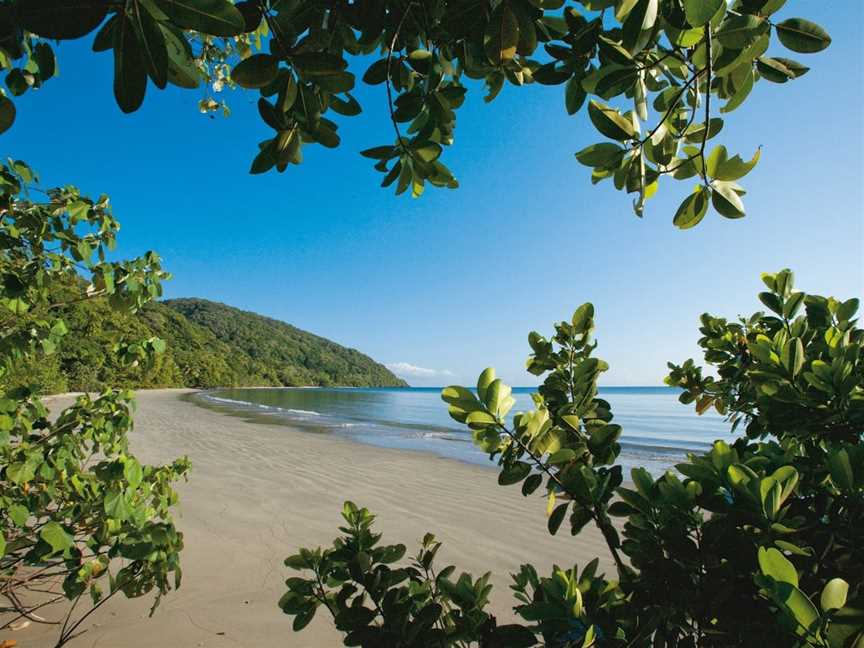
(389, 83)
(708, 68)
(673, 105)
(595, 514)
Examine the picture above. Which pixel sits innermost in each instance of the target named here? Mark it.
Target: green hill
(208, 345)
(294, 356)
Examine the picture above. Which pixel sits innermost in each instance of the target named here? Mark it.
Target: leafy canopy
(656, 77)
(756, 543)
(80, 516)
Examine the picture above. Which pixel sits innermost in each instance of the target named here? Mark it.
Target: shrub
(759, 542)
(80, 516)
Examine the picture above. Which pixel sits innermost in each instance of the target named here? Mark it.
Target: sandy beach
(259, 491)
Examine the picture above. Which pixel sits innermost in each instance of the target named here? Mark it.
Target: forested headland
(207, 344)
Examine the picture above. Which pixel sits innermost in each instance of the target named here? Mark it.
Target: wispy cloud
(408, 370)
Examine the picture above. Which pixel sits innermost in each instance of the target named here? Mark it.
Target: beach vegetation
(82, 520)
(656, 79)
(758, 542)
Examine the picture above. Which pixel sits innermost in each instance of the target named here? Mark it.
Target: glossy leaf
(801, 35)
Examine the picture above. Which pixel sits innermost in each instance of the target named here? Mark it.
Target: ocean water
(658, 431)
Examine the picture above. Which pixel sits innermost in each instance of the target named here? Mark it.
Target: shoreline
(256, 493)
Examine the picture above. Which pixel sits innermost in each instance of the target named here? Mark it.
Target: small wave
(300, 411)
(445, 436)
(271, 408)
(227, 400)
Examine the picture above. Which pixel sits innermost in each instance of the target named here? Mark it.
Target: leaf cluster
(80, 516)
(658, 67)
(756, 543)
(376, 603)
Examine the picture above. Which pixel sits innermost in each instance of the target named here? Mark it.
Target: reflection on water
(658, 430)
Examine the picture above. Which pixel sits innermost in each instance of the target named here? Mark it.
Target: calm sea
(658, 430)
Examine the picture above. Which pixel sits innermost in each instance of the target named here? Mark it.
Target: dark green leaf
(802, 36)
(130, 74)
(213, 17)
(61, 19)
(726, 200)
(153, 49)
(557, 518)
(256, 71)
(699, 12)
(7, 113)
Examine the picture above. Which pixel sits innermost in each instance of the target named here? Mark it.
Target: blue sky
(454, 281)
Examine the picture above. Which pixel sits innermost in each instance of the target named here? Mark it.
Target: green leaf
(460, 397)
(7, 113)
(153, 48)
(116, 506)
(557, 517)
(574, 96)
(257, 71)
(610, 122)
(304, 618)
(427, 151)
(639, 25)
(133, 472)
(44, 57)
(699, 12)
(130, 74)
(318, 64)
(104, 39)
(501, 36)
(798, 605)
(792, 356)
(777, 566)
(583, 317)
(802, 36)
(487, 377)
(56, 536)
(693, 209)
(213, 17)
(742, 91)
(846, 311)
(265, 160)
(840, 469)
(726, 200)
(735, 168)
(479, 420)
(181, 67)
(773, 70)
(19, 514)
(339, 82)
(834, 594)
(717, 156)
(739, 31)
(376, 73)
(348, 108)
(514, 474)
(498, 398)
(643, 481)
(605, 155)
(793, 67)
(61, 19)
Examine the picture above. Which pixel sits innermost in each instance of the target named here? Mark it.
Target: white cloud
(408, 370)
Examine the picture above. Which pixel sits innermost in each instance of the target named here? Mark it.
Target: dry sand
(257, 492)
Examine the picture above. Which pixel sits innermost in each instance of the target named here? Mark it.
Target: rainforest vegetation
(754, 544)
(206, 345)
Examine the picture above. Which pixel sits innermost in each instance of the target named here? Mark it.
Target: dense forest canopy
(206, 345)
